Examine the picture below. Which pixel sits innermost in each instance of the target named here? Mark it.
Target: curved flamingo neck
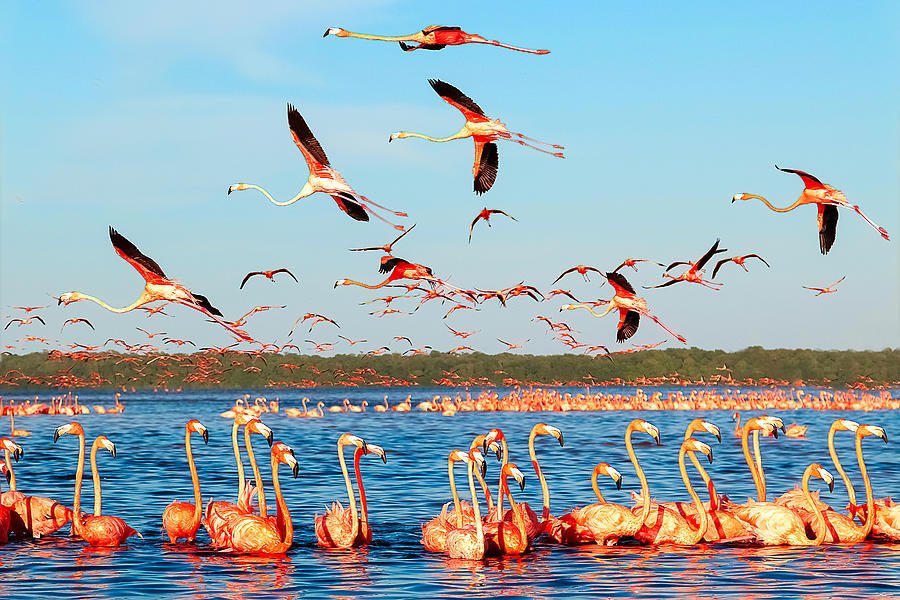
(775, 208)
(701, 512)
(737, 424)
(479, 529)
(462, 133)
(456, 504)
(382, 38)
(851, 493)
(518, 516)
(597, 488)
(820, 518)
(237, 459)
(305, 191)
(257, 476)
(745, 433)
(707, 480)
(545, 491)
(363, 509)
(645, 488)
(142, 300)
(870, 502)
(12, 474)
(759, 467)
(354, 516)
(95, 474)
(281, 506)
(79, 475)
(195, 480)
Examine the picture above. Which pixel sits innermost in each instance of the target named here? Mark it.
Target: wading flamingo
(485, 215)
(508, 536)
(339, 526)
(270, 275)
(483, 130)
(322, 178)
(572, 528)
(257, 426)
(534, 529)
(365, 532)
(630, 307)
(182, 519)
(433, 37)
(434, 532)
(98, 529)
(254, 534)
(4, 511)
(827, 200)
(13, 432)
(468, 542)
(31, 516)
(158, 287)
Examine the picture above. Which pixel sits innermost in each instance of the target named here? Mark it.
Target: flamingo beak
(377, 450)
(205, 435)
(618, 482)
(520, 478)
(229, 191)
(831, 485)
(326, 32)
(710, 456)
(496, 449)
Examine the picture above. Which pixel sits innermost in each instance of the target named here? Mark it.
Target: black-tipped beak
(658, 441)
(710, 457)
(831, 485)
(775, 433)
(732, 200)
(296, 470)
(229, 191)
(522, 485)
(205, 436)
(384, 458)
(719, 437)
(55, 436)
(113, 450)
(58, 301)
(483, 469)
(885, 437)
(19, 453)
(270, 438)
(326, 32)
(390, 139)
(619, 483)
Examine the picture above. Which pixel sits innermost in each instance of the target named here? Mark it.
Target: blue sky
(140, 116)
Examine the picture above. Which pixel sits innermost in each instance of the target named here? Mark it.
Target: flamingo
(630, 307)
(632, 262)
(5, 512)
(694, 274)
(483, 130)
(739, 261)
(434, 532)
(339, 526)
(13, 432)
(468, 542)
(827, 200)
(98, 529)
(433, 37)
(322, 178)
(270, 275)
(182, 519)
(830, 289)
(508, 537)
(396, 268)
(27, 321)
(485, 214)
(158, 287)
(572, 528)
(533, 527)
(387, 248)
(255, 534)
(581, 270)
(74, 321)
(365, 532)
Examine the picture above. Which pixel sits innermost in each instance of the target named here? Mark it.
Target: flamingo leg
(525, 137)
(678, 336)
(881, 230)
(527, 145)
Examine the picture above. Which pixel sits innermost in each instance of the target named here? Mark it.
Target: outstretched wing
(144, 265)
(388, 263)
(709, 254)
(495, 211)
(619, 283)
(828, 218)
(283, 270)
(662, 285)
(349, 205)
(759, 257)
(628, 325)
(304, 138)
(204, 303)
(472, 226)
(455, 98)
(563, 274)
(487, 161)
(810, 181)
(673, 265)
(719, 265)
(247, 277)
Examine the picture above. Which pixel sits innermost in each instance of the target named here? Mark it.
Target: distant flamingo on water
(182, 519)
(433, 37)
(158, 287)
(98, 529)
(322, 178)
(827, 200)
(483, 130)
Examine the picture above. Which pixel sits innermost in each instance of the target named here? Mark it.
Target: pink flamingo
(32, 516)
(182, 519)
(339, 526)
(468, 542)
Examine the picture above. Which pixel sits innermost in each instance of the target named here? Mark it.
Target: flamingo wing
(505, 214)
(759, 257)
(248, 276)
(828, 218)
(388, 263)
(832, 286)
(399, 237)
(563, 274)
(144, 265)
(409, 48)
(350, 206)
(629, 321)
(455, 98)
(283, 270)
(433, 28)
(675, 264)
(719, 265)
(472, 226)
(709, 254)
(810, 181)
(487, 161)
(620, 284)
(305, 140)
(204, 303)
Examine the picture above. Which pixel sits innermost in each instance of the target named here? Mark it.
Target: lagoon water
(150, 471)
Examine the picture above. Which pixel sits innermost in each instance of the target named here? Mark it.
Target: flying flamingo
(73, 321)
(182, 519)
(158, 287)
(511, 346)
(254, 534)
(339, 526)
(387, 248)
(483, 130)
(433, 37)
(694, 274)
(827, 200)
(486, 215)
(32, 516)
(98, 529)
(831, 289)
(739, 261)
(397, 268)
(468, 542)
(581, 270)
(630, 307)
(27, 321)
(322, 178)
(632, 262)
(270, 275)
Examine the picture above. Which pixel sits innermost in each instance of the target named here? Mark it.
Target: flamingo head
(283, 454)
(845, 425)
(866, 430)
(492, 439)
(196, 426)
(398, 135)
(13, 448)
(735, 416)
(511, 469)
(692, 445)
(237, 187)
(544, 429)
(817, 470)
(69, 297)
(103, 442)
(335, 31)
(476, 457)
(341, 282)
(73, 428)
(348, 439)
(378, 451)
(776, 423)
(257, 426)
(737, 197)
(701, 425)
(605, 469)
(648, 428)
(457, 455)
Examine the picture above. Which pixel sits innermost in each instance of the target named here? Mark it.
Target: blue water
(151, 470)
